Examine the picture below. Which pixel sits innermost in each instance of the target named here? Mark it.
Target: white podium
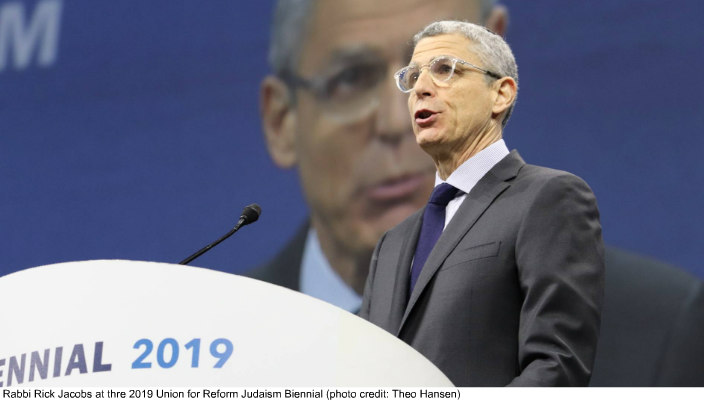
(127, 323)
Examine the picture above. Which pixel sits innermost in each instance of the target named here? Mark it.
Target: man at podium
(499, 279)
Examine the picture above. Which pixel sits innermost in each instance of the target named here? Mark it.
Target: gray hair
(288, 31)
(290, 26)
(492, 49)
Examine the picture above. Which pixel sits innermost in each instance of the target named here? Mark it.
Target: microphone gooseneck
(249, 214)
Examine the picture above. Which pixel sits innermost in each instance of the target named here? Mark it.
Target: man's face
(361, 169)
(449, 116)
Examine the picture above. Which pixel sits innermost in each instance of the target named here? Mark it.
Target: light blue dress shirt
(319, 280)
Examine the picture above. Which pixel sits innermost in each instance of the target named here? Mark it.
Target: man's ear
(278, 121)
(506, 89)
(497, 21)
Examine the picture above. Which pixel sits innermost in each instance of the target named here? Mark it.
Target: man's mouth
(397, 188)
(425, 117)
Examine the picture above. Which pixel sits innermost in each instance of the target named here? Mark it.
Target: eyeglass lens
(440, 68)
(351, 92)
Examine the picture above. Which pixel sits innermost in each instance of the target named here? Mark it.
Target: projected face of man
(349, 132)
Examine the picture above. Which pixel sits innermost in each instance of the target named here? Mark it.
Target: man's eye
(354, 80)
(442, 68)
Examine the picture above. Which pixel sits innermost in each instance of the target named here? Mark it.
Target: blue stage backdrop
(130, 129)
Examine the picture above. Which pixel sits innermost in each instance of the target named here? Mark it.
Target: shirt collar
(319, 280)
(471, 171)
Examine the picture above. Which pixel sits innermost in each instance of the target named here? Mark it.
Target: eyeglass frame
(455, 60)
(317, 87)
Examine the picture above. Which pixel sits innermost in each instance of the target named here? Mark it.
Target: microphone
(249, 214)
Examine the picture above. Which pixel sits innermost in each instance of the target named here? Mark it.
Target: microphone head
(250, 213)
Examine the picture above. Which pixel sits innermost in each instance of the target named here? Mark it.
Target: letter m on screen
(24, 35)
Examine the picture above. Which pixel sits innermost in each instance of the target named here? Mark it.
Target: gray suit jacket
(285, 268)
(512, 291)
(652, 325)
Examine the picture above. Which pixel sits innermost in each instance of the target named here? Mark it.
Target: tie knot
(442, 194)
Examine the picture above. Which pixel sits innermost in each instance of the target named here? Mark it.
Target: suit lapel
(402, 281)
(475, 204)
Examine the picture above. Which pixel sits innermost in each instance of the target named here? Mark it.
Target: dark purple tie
(433, 224)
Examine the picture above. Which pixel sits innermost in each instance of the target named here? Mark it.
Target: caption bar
(231, 393)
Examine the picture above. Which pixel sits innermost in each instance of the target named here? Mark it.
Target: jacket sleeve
(683, 354)
(560, 260)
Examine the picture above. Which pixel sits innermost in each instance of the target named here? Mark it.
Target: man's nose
(393, 120)
(425, 86)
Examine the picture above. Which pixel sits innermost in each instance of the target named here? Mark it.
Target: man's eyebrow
(355, 54)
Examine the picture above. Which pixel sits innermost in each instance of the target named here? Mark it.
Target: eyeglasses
(348, 92)
(441, 68)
